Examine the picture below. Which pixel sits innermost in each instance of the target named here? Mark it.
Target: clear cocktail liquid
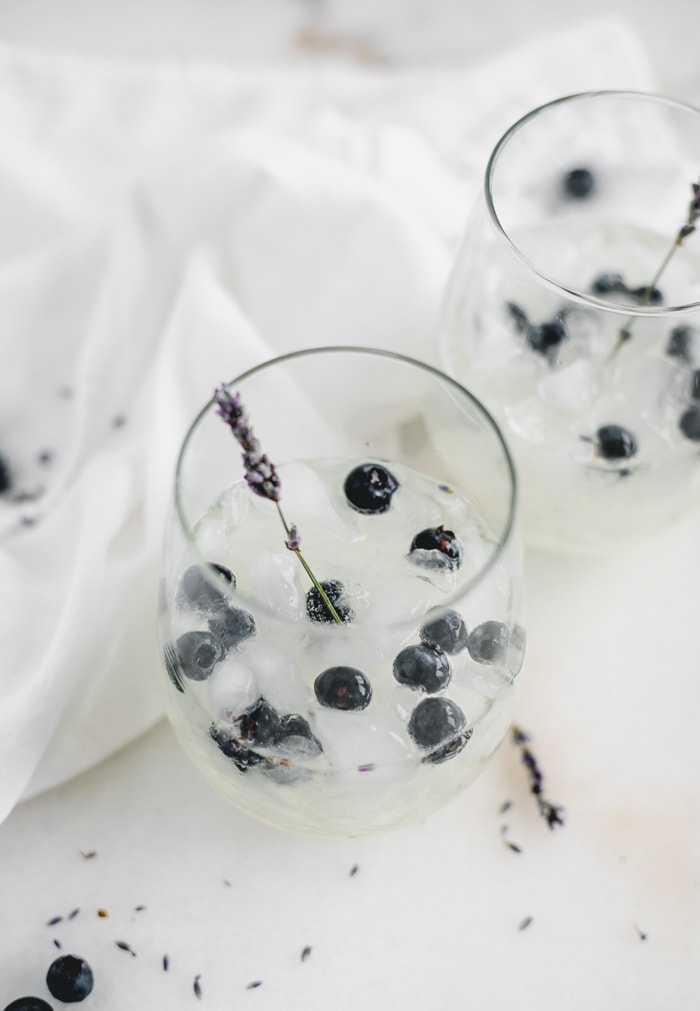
(345, 771)
(552, 405)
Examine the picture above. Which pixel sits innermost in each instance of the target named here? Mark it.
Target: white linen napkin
(164, 228)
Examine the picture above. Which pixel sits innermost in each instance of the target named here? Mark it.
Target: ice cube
(274, 580)
(232, 689)
(278, 680)
(362, 745)
(572, 388)
(311, 505)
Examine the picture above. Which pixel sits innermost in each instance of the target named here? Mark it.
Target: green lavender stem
(297, 551)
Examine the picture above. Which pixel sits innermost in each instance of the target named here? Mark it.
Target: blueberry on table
(5, 477)
(422, 667)
(28, 1004)
(70, 979)
(198, 589)
(344, 688)
(439, 726)
(546, 337)
(316, 609)
(448, 632)
(198, 654)
(614, 442)
(578, 183)
(232, 626)
(689, 424)
(436, 548)
(488, 642)
(369, 488)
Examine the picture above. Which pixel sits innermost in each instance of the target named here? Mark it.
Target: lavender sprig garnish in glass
(686, 229)
(262, 478)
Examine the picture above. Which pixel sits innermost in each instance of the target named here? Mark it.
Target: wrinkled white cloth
(164, 228)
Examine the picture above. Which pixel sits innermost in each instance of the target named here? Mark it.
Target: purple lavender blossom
(693, 214)
(260, 473)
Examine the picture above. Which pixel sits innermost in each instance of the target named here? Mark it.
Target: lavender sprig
(553, 814)
(686, 229)
(262, 477)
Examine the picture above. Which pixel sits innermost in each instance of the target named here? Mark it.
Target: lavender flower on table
(686, 229)
(553, 814)
(262, 477)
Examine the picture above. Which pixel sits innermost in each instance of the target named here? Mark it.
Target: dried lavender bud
(260, 473)
(553, 814)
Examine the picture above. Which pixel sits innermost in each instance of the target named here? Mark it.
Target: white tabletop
(480, 906)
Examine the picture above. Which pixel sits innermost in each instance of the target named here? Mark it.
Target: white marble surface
(433, 917)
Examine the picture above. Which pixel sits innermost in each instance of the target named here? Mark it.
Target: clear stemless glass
(398, 489)
(574, 314)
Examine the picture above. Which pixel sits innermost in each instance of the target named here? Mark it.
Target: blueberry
(422, 667)
(198, 590)
(448, 632)
(172, 665)
(689, 423)
(518, 316)
(369, 488)
(439, 726)
(695, 385)
(654, 296)
(232, 626)
(334, 590)
(608, 283)
(488, 642)
(546, 337)
(294, 735)
(198, 653)
(29, 1004)
(259, 724)
(579, 183)
(680, 343)
(70, 979)
(436, 548)
(231, 746)
(343, 688)
(5, 476)
(615, 443)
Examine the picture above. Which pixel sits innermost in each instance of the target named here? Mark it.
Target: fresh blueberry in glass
(294, 735)
(439, 726)
(518, 316)
(614, 442)
(369, 488)
(343, 688)
(5, 477)
(198, 653)
(70, 979)
(646, 295)
(198, 589)
(244, 758)
(316, 609)
(232, 626)
(546, 337)
(28, 1004)
(681, 341)
(488, 642)
(608, 283)
(436, 548)
(689, 423)
(423, 667)
(695, 384)
(579, 183)
(447, 632)
(259, 725)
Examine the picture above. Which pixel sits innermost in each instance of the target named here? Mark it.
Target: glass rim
(504, 536)
(584, 298)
